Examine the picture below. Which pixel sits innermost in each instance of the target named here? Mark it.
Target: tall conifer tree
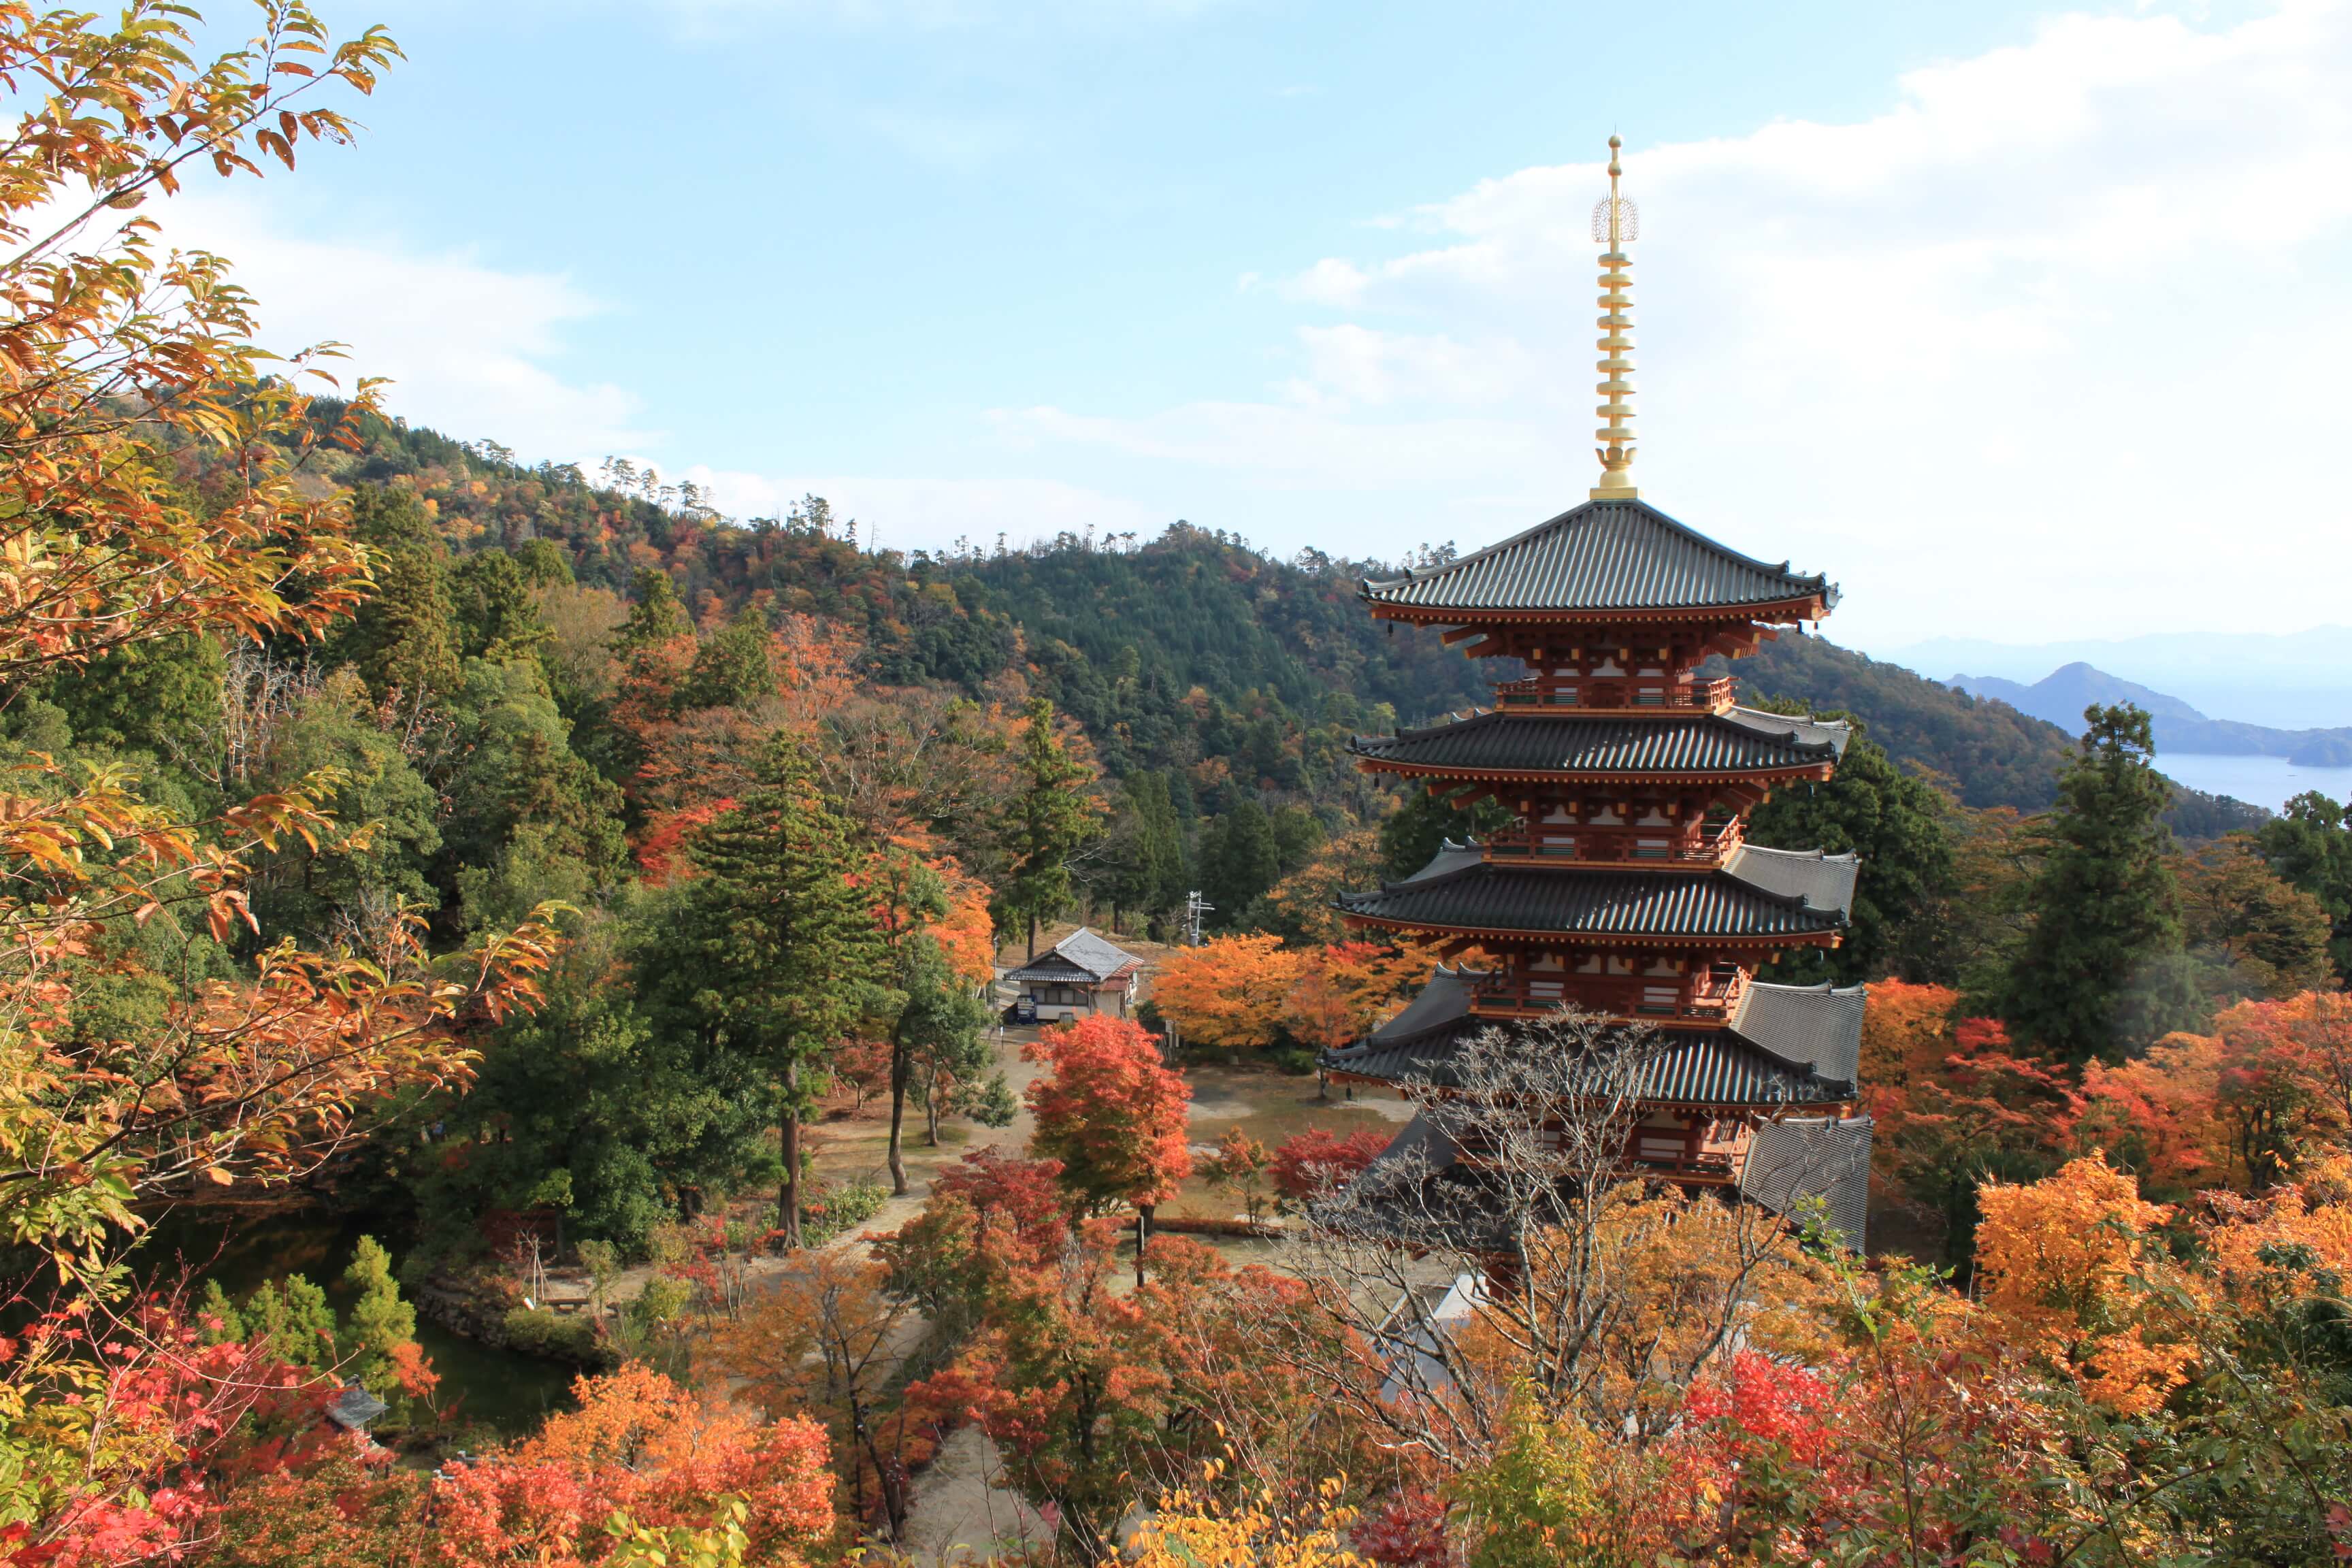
(2101, 906)
(771, 953)
(1048, 818)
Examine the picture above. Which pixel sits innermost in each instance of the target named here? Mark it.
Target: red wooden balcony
(1705, 998)
(1619, 694)
(1555, 843)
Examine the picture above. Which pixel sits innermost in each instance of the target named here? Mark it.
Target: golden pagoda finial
(1615, 222)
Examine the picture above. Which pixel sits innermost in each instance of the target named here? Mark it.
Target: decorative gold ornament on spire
(1616, 222)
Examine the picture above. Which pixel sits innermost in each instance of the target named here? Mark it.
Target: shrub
(841, 1209)
(534, 1331)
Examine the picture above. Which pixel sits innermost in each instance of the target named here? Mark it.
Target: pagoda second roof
(1742, 741)
(1759, 894)
(1602, 556)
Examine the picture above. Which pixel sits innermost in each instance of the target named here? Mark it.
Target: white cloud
(470, 348)
(2055, 343)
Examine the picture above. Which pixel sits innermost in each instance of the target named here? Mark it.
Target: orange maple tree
(641, 1444)
(1229, 992)
(2065, 1263)
(1112, 1113)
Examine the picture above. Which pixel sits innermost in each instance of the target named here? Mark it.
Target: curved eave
(1829, 936)
(1823, 771)
(1810, 608)
(1765, 1110)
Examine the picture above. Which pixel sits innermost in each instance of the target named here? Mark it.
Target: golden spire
(1615, 221)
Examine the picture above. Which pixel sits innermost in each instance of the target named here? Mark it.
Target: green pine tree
(2310, 845)
(2100, 907)
(380, 1321)
(290, 1320)
(731, 669)
(1240, 859)
(771, 953)
(655, 613)
(1147, 850)
(497, 614)
(1896, 824)
(404, 638)
(1050, 816)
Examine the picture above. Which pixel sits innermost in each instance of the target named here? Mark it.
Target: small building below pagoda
(1081, 977)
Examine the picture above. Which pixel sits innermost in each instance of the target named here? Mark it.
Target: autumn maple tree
(1229, 992)
(1113, 1114)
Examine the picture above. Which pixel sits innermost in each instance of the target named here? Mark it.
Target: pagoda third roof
(1759, 893)
(1603, 555)
(1741, 740)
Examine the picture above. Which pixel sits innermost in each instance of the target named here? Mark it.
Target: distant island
(2060, 697)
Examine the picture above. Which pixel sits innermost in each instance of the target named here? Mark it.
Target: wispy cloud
(476, 349)
(2066, 313)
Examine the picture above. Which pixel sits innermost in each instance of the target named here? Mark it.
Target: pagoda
(1624, 884)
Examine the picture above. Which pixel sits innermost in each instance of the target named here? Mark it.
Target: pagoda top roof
(1599, 558)
(1741, 740)
(1757, 895)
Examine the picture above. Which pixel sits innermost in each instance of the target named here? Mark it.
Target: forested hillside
(1120, 638)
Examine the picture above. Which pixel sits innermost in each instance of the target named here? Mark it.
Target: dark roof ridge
(1801, 584)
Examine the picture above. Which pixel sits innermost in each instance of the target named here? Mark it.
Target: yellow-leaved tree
(126, 367)
(2072, 1266)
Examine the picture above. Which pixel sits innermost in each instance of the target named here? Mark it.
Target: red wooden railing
(1705, 998)
(1553, 843)
(1615, 693)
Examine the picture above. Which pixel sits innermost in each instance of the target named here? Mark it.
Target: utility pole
(1195, 906)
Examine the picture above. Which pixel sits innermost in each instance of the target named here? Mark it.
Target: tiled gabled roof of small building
(1562, 901)
(1603, 555)
(1079, 955)
(1742, 741)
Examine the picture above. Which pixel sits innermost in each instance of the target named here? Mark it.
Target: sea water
(2268, 781)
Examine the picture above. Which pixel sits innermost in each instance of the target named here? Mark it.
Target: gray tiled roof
(1741, 740)
(1082, 955)
(1797, 1160)
(1691, 1067)
(1818, 1026)
(1758, 893)
(1603, 555)
(1419, 1190)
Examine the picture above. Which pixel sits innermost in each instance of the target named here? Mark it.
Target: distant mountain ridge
(2060, 697)
(2283, 680)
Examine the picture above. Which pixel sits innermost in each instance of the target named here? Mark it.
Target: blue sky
(2039, 294)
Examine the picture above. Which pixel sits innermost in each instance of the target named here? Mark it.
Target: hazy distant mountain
(2292, 681)
(2060, 697)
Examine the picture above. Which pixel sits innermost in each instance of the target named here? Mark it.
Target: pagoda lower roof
(1738, 743)
(1785, 1046)
(1602, 561)
(1420, 1192)
(1756, 895)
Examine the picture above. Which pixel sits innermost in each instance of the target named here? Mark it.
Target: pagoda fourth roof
(1742, 1065)
(1758, 893)
(1504, 741)
(1603, 555)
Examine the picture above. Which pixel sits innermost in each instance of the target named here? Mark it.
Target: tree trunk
(901, 1069)
(1032, 936)
(932, 1115)
(1143, 1240)
(788, 1200)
